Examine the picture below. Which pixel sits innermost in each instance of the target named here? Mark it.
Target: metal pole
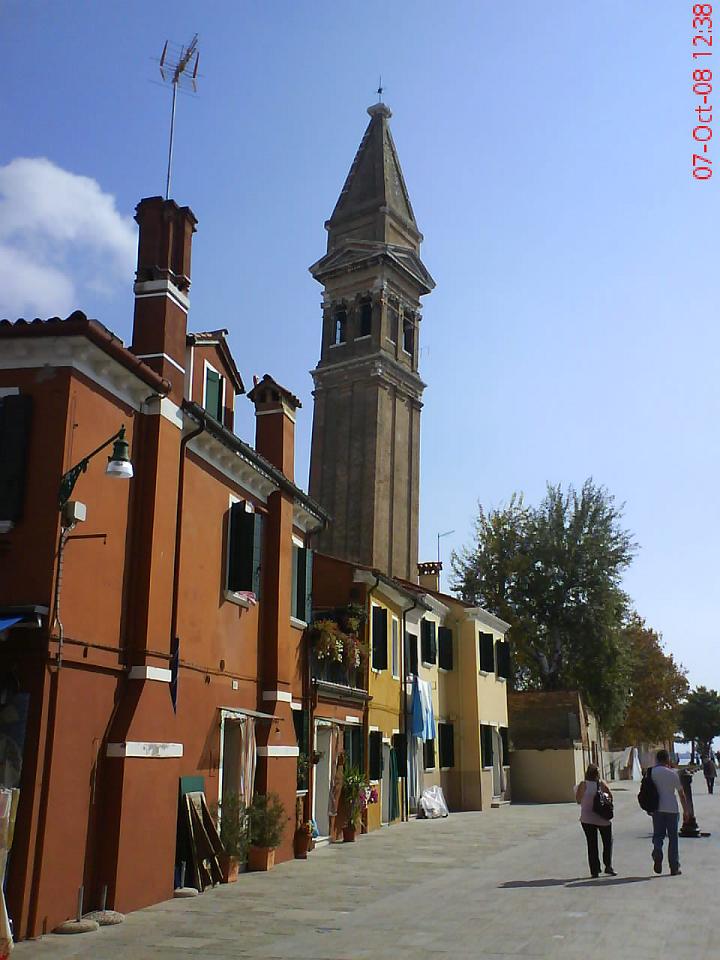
(103, 899)
(81, 891)
(172, 136)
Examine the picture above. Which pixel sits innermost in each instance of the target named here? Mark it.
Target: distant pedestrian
(665, 818)
(592, 823)
(710, 772)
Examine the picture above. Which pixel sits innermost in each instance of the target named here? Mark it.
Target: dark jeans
(666, 823)
(591, 835)
(710, 783)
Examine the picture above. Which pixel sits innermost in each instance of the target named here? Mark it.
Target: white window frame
(395, 648)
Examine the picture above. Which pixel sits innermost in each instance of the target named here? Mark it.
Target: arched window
(339, 325)
(365, 318)
(408, 335)
(393, 322)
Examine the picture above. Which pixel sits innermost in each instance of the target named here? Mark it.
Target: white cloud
(58, 233)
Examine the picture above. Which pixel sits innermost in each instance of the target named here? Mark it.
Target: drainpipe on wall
(366, 711)
(405, 793)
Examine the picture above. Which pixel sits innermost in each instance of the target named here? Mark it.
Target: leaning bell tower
(365, 456)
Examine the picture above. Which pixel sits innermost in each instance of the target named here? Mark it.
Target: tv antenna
(179, 67)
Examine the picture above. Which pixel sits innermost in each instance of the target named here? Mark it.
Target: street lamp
(119, 465)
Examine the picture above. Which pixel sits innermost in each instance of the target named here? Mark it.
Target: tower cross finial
(380, 90)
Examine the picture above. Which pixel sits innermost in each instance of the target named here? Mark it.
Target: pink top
(587, 814)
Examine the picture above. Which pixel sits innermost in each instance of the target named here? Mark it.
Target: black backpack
(648, 797)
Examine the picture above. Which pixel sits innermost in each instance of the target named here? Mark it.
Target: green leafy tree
(657, 686)
(700, 718)
(554, 573)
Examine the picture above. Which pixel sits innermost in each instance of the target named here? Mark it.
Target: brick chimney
(162, 286)
(275, 423)
(429, 575)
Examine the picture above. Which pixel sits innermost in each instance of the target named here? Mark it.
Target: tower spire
(364, 465)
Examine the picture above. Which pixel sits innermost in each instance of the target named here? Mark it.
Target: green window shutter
(428, 641)
(15, 414)
(503, 658)
(375, 755)
(294, 582)
(257, 554)
(244, 549)
(505, 746)
(487, 652)
(213, 394)
(445, 648)
(379, 638)
(486, 739)
(429, 754)
(433, 642)
(306, 586)
(301, 600)
(446, 736)
(399, 742)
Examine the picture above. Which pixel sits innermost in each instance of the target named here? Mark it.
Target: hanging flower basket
(328, 640)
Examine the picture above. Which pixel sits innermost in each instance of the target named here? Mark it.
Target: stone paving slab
(508, 883)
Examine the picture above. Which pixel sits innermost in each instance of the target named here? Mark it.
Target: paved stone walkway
(508, 883)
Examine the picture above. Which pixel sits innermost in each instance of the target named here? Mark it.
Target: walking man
(710, 772)
(665, 818)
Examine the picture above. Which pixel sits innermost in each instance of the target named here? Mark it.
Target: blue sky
(547, 150)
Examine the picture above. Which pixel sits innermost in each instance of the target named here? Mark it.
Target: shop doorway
(321, 779)
(386, 786)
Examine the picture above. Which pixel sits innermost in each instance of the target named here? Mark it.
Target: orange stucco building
(135, 643)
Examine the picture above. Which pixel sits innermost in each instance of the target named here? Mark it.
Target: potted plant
(302, 840)
(354, 788)
(267, 824)
(233, 835)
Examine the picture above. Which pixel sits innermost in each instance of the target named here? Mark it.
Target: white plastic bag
(432, 804)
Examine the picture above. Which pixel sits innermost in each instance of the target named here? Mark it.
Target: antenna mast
(177, 68)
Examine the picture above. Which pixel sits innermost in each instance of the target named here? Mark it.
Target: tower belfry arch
(365, 456)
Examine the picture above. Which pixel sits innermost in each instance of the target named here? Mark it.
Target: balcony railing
(330, 671)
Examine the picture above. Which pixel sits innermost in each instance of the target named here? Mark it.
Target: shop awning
(7, 622)
(251, 713)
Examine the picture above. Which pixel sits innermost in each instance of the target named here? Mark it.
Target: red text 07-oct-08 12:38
(702, 42)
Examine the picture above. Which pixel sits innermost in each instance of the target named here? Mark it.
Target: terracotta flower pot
(261, 858)
(301, 845)
(230, 867)
(349, 834)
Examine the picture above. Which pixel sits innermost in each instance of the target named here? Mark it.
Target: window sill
(301, 793)
(429, 769)
(443, 769)
(365, 336)
(377, 670)
(425, 663)
(395, 676)
(236, 599)
(486, 673)
(445, 669)
(341, 344)
(297, 624)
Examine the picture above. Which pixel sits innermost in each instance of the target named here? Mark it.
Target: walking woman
(592, 823)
